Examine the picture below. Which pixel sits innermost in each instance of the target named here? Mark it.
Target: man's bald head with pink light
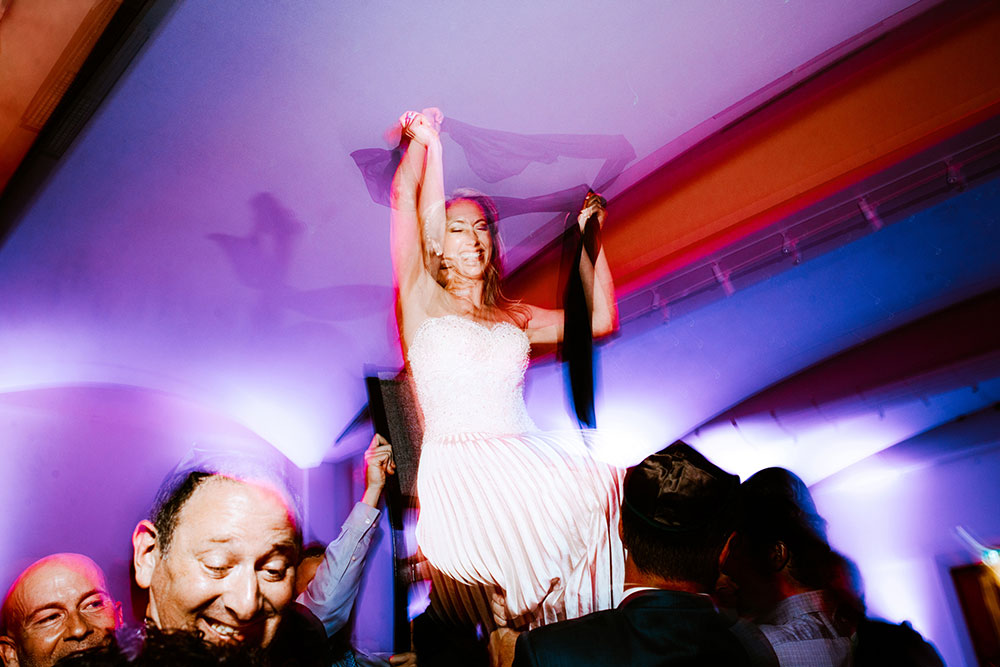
(58, 606)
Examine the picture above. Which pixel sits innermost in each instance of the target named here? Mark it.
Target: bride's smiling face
(468, 243)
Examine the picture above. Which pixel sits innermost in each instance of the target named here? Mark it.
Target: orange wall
(42, 46)
(924, 82)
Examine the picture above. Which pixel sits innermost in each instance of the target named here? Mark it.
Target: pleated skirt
(532, 515)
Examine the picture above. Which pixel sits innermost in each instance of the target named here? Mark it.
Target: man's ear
(777, 556)
(8, 653)
(731, 553)
(145, 553)
(732, 543)
(119, 616)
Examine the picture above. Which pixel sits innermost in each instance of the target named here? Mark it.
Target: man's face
(228, 571)
(305, 573)
(745, 577)
(58, 606)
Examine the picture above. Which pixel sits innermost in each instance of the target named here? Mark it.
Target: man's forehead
(222, 500)
(258, 492)
(57, 580)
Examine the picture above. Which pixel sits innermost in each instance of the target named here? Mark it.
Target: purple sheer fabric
(496, 155)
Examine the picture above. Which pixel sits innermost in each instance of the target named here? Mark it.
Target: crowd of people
(716, 573)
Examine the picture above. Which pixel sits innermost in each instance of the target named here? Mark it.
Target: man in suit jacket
(676, 516)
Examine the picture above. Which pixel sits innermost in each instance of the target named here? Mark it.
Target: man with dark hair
(676, 516)
(220, 551)
(309, 561)
(59, 605)
(876, 642)
(218, 558)
(781, 564)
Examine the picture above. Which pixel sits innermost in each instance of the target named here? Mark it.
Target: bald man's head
(59, 605)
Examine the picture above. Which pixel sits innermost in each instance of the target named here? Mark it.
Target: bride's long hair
(493, 295)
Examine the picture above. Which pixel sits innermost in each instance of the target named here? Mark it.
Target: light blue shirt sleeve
(330, 595)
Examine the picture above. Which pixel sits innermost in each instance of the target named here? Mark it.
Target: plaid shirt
(803, 634)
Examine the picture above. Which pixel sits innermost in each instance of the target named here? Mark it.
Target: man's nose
(77, 628)
(242, 597)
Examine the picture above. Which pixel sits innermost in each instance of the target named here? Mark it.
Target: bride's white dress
(501, 503)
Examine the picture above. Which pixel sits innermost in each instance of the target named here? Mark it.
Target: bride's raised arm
(545, 326)
(417, 219)
(431, 202)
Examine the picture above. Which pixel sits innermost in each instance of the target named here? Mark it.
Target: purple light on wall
(895, 516)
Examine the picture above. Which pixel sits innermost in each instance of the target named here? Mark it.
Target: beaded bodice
(470, 377)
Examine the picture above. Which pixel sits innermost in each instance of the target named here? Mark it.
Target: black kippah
(677, 489)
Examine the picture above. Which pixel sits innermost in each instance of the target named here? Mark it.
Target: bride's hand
(593, 204)
(435, 116)
(419, 127)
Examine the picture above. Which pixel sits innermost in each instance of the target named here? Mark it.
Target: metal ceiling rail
(881, 200)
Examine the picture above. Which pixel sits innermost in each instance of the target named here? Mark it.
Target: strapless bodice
(469, 377)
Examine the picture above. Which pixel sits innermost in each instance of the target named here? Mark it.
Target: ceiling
(210, 232)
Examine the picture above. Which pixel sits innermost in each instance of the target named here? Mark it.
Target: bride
(528, 514)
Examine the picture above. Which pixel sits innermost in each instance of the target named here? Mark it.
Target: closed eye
(275, 574)
(47, 619)
(95, 604)
(217, 571)
(275, 569)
